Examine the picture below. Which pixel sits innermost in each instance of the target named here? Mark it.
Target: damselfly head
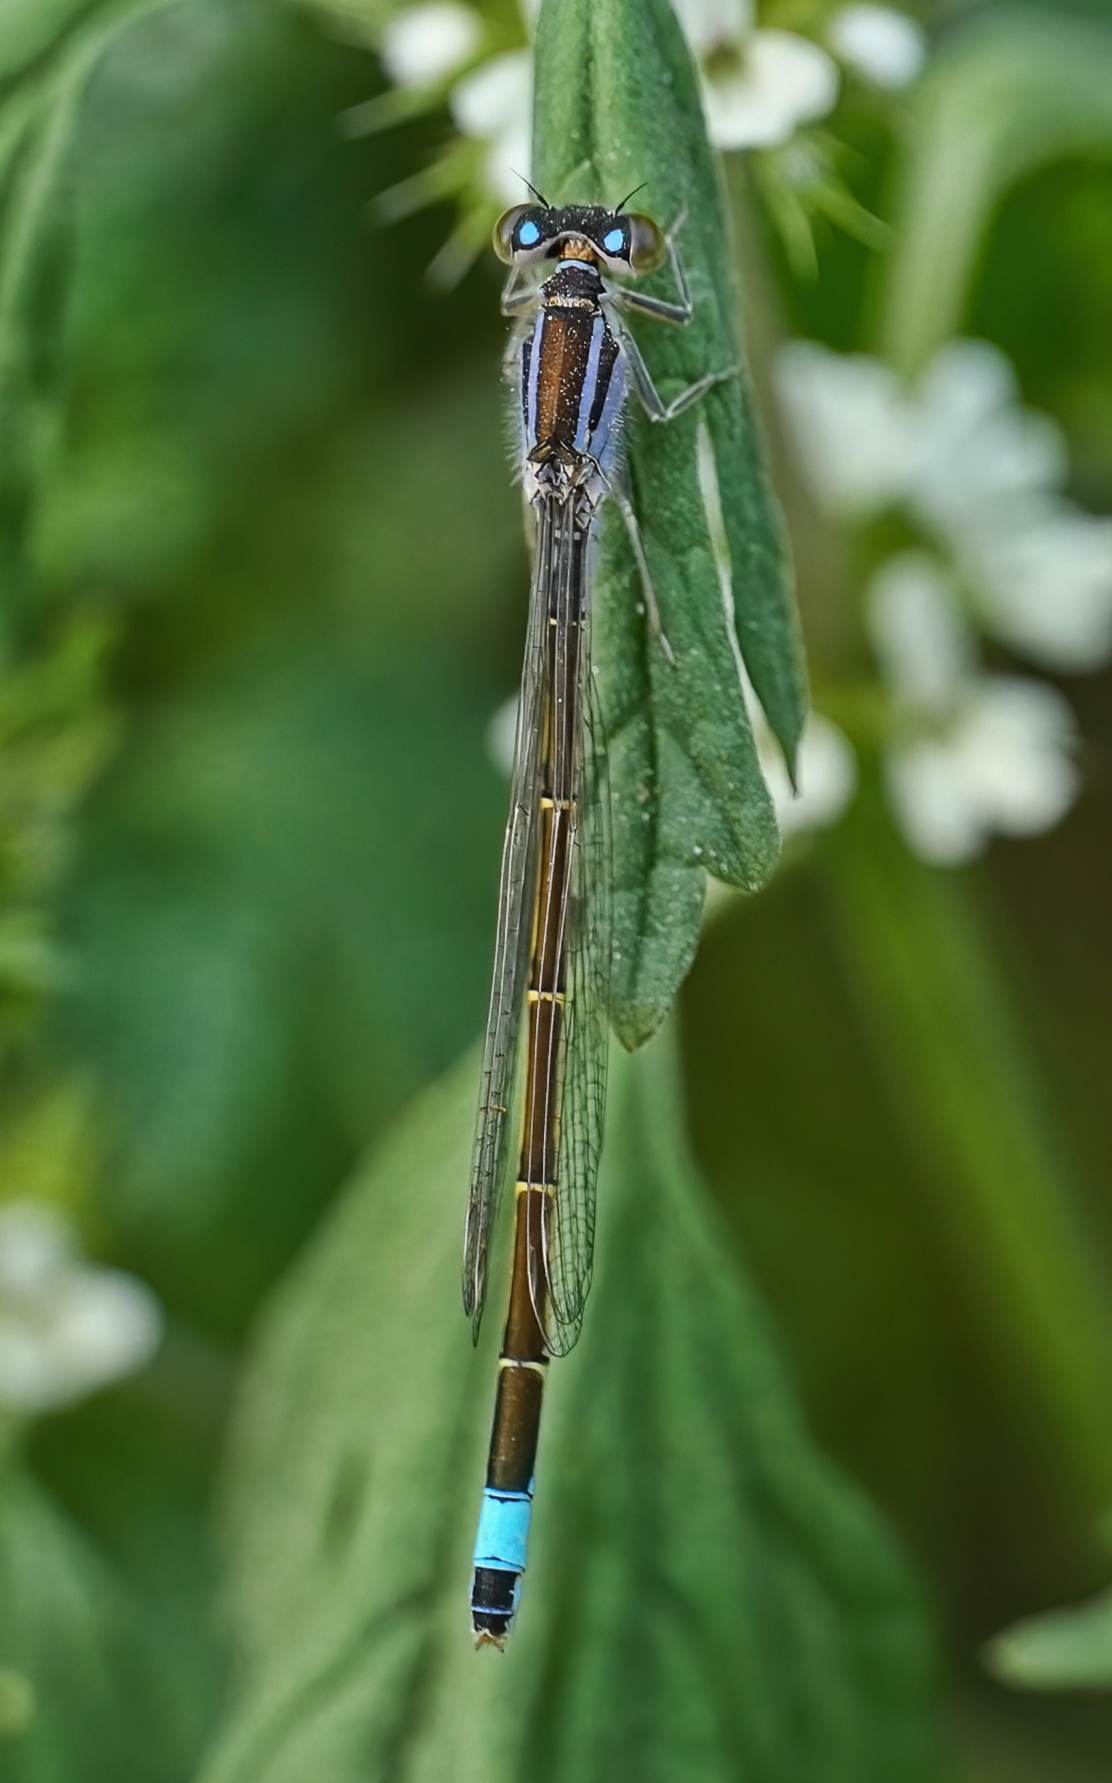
(622, 241)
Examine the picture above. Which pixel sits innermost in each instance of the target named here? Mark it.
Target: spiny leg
(657, 410)
(518, 291)
(650, 398)
(652, 605)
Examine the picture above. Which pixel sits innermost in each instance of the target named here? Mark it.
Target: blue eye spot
(614, 241)
(529, 233)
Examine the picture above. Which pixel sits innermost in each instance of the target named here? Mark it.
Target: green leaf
(1066, 1650)
(617, 103)
(48, 48)
(706, 1597)
(1012, 92)
(80, 1699)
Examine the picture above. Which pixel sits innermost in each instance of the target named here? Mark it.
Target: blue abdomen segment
(503, 1533)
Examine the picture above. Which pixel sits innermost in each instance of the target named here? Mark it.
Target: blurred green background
(264, 573)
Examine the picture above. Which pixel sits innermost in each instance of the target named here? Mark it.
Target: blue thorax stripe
(604, 441)
(534, 374)
(590, 382)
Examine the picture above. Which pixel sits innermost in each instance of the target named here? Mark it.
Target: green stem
(948, 1040)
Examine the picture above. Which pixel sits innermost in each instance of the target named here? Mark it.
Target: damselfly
(572, 362)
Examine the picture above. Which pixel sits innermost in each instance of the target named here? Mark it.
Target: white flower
(715, 24)
(1045, 587)
(884, 46)
(759, 85)
(924, 648)
(975, 754)
(978, 473)
(66, 1327)
(424, 44)
(780, 81)
(494, 104)
(852, 424)
(980, 458)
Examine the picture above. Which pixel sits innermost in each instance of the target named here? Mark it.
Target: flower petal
(35, 1242)
(424, 44)
(1015, 746)
(979, 455)
(884, 46)
(924, 648)
(931, 799)
(783, 80)
(66, 1327)
(106, 1325)
(851, 423)
(509, 152)
(495, 97)
(1045, 588)
(715, 24)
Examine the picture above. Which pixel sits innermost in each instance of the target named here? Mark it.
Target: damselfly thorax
(573, 387)
(574, 364)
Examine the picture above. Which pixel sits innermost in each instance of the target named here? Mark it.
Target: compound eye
(614, 240)
(517, 231)
(647, 246)
(505, 230)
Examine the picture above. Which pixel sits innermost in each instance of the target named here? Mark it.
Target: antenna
(629, 195)
(539, 196)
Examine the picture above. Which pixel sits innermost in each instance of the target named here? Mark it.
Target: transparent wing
(493, 1123)
(561, 1247)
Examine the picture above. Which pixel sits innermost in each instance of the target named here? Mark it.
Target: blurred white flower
(978, 473)
(1045, 588)
(424, 44)
(779, 81)
(980, 458)
(759, 84)
(883, 45)
(67, 1327)
(973, 755)
(923, 645)
(494, 103)
(852, 424)
(715, 24)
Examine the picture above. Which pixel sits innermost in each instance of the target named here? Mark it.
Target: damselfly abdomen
(572, 365)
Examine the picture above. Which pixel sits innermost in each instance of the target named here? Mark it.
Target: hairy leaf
(616, 104)
(706, 1598)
